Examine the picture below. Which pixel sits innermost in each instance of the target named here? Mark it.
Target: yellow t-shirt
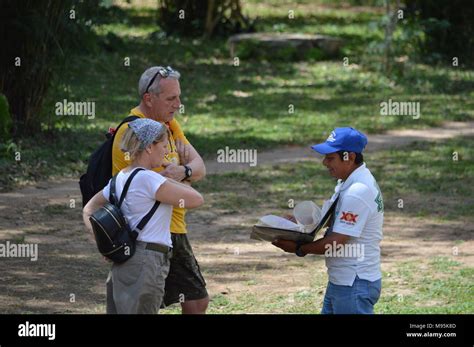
(178, 224)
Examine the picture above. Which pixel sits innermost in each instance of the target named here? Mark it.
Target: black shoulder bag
(115, 240)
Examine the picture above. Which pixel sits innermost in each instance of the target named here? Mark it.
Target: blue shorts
(359, 298)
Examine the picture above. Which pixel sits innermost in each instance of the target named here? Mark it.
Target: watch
(187, 171)
(299, 251)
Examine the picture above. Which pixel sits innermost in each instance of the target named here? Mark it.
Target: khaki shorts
(137, 286)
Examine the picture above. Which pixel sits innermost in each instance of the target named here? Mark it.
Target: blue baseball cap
(342, 139)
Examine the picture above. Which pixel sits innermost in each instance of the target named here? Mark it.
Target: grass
(434, 285)
(241, 107)
(424, 169)
(55, 209)
(443, 287)
(248, 107)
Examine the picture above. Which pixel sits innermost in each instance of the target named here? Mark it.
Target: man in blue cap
(352, 241)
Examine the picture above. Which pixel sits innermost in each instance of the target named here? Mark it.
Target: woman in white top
(137, 286)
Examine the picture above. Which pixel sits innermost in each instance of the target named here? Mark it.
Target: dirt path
(393, 138)
(69, 275)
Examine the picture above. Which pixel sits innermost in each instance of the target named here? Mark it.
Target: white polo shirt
(359, 214)
(138, 202)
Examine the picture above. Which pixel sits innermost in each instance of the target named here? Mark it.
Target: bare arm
(196, 164)
(179, 195)
(190, 157)
(315, 247)
(93, 205)
(320, 246)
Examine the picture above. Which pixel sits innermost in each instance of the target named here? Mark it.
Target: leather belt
(158, 248)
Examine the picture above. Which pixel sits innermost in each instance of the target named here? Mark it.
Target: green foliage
(255, 50)
(315, 54)
(36, 35)
(194, 13)
(5, 119)
(198, 18)
(324, 94)
(426, 32)
(448, 27)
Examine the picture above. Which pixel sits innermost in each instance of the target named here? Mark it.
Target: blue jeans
(359, 298)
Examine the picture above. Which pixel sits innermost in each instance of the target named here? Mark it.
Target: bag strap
(112, 195)
(148, 216)
(127, 185)
(327, 217)
(333, 210)
(113, 199)
(150, 213)
(128, 119)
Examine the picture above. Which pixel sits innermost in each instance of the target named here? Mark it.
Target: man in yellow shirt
(159, 90)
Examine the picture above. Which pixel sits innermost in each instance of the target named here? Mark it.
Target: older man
(160, 92)
(352, 243)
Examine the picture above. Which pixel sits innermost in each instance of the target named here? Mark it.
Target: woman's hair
(131, 144)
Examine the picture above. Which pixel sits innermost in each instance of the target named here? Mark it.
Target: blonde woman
(137, 286)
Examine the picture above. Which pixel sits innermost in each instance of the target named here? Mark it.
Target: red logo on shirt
(349, 217)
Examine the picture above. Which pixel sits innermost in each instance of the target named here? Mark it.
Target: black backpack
(99, 168)
(115, 240)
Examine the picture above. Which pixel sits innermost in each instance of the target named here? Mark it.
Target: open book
(309, 220)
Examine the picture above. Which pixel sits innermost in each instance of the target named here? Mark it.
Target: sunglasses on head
(163, 72)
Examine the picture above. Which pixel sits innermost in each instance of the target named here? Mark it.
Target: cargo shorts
(185, 281)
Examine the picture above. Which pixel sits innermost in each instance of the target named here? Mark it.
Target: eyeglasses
(163, 72)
